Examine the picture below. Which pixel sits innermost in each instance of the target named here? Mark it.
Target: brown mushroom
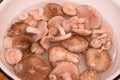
(59, 53)
(65, 71)
(34, 67)
(91, 15)
(75, 44)
(37, 48)
(98, 60)
(89, 75)
(22, 41)
(53, 9)
(18, 28)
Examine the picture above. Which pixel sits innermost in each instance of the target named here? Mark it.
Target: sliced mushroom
(19, 28)
(69, 8)
(22, 41)
(35, 67)
(7, 42)
(37, 48)
(59, 53)
(31, 22)
(89, 75)
(13, 55)
(75, 44)
(91, 15)
(65, 71)
(53, 9)
(98, 60)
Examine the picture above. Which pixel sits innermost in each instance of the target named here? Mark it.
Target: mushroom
(92, 16)
(56, 22)
(22, 41)
(96, 43)
(70, 8)
(65, 71)
(34, 67)
(89, 75)
(13, 55)
(98, 60)
(67, 24)
(31, 21)
(53, 31)
(75, 44)
(7, 42)
(23, 16)
(59, 53)
(18, 28)
(107, 45)
(37, 48)
(53, 9)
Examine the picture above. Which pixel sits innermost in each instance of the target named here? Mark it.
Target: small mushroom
(75, 44)
(65, 71)
(23, 16)
(70, 8)
(31, 22)
(34, 67)
(18, 28)
(13, 55)
(37, 48)
(59, 53)
(92, 16)
(67, 24)
(53, 31)
(7, 42)
(22, 41)
(53, 9)
(96, 43)
(98, 60)
(89, 75)
(107, 45)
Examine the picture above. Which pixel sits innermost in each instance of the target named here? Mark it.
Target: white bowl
(9, 9)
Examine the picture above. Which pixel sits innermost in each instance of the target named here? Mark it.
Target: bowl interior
(106, 7)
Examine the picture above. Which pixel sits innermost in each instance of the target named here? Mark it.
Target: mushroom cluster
(46, 43)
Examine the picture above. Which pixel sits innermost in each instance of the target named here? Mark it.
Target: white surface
(9, 10)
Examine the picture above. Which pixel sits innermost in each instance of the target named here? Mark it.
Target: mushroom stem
(62, 37)
(61, 30)
(66, 76)
(33, 30)
(102, 36)
(98, 31)
(52, 77)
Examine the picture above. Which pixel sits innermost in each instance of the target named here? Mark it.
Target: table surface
(4, 76)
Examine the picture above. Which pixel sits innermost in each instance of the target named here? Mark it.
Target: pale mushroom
(70, 8)
(53, 9)
(59, 53)
(89, 75)
(96, 43)
(7, 42)
(65, 71)
(75, 44)
(13, 55)
(92, 16)
(98, 60)
(23, 16)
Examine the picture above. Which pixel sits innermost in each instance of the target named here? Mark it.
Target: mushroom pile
(46, 43)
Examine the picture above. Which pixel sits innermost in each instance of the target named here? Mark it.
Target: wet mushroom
(75, 44)
(92, 16)
(53, 9)
(34, 67)
(13, 55)
(18, 28)
(98, 60)
(59, 53)
(65, 71)
(89, 75)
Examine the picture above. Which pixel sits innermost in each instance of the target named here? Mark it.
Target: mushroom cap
(99, 61)
(53, 9)
(22, 41)
(34, 67)
(65, 67)
(75, 44)
(92, 16)
(18, 28)
(59, 53)
(89, 75)
(7, 42)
